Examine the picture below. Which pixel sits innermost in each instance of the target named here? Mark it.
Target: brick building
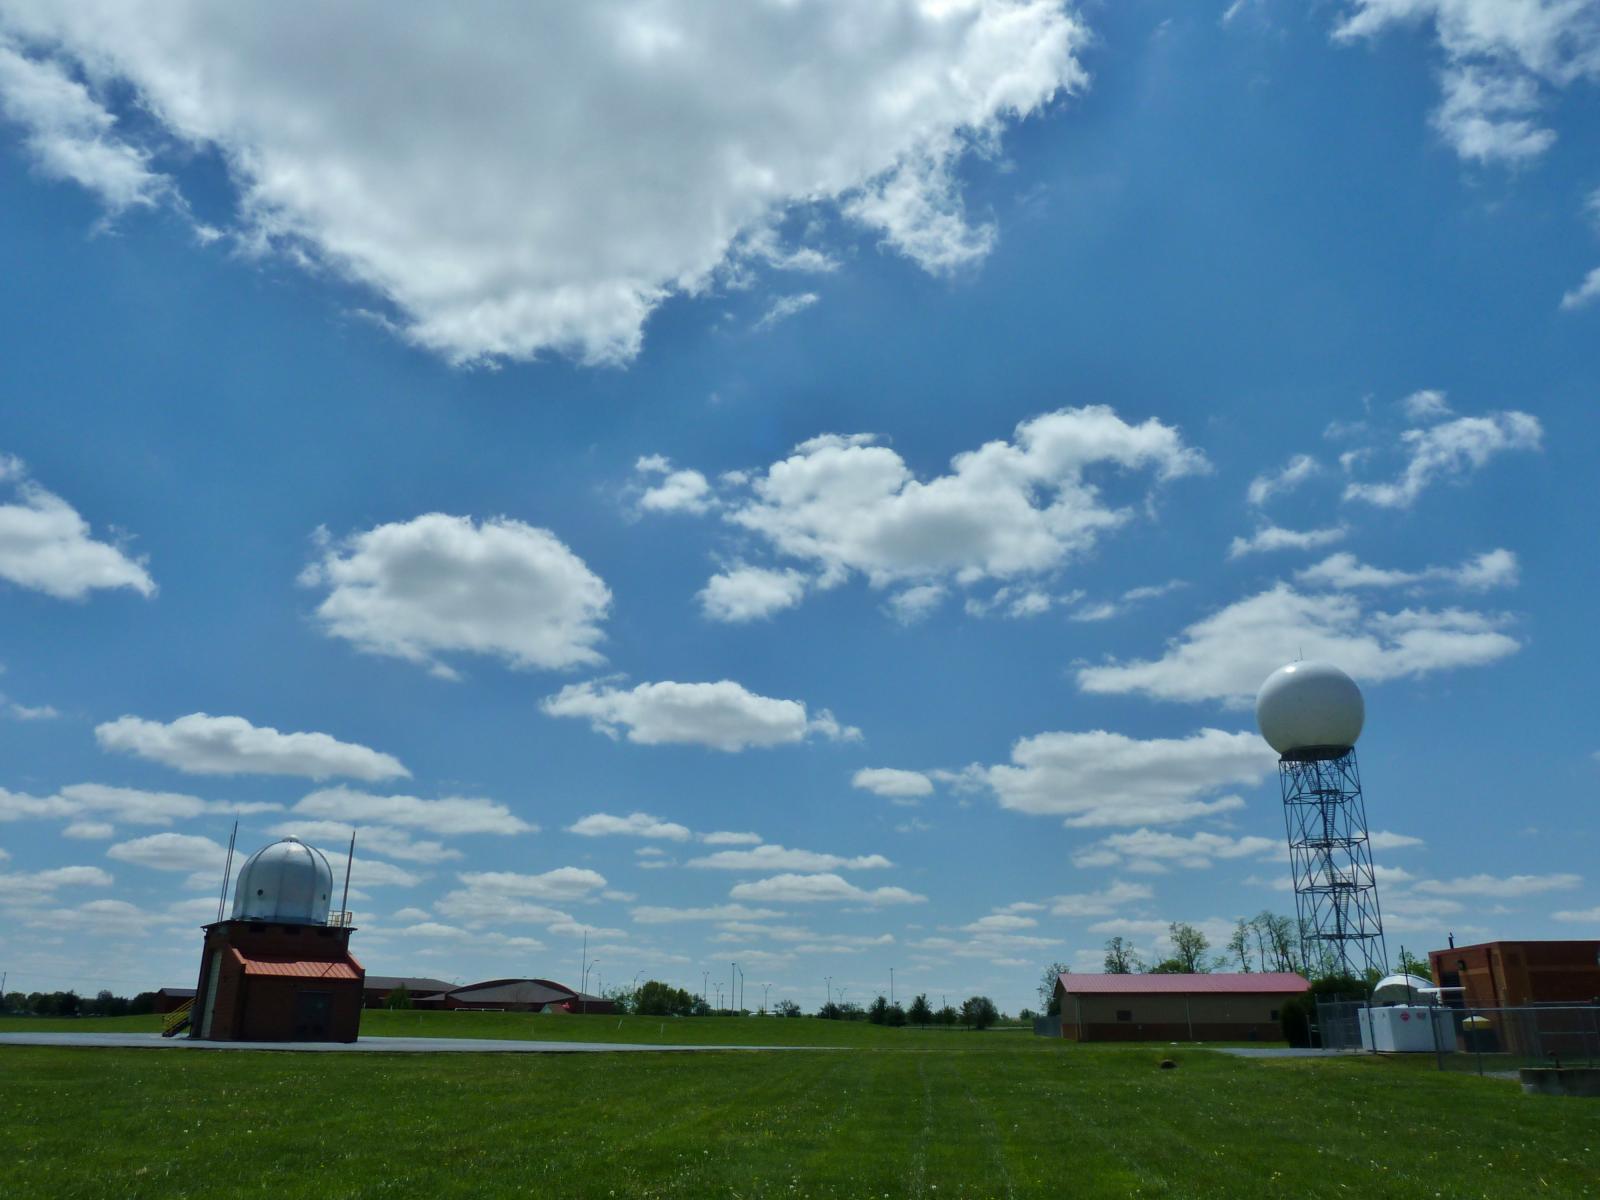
(1508, 974)
(277, 970)
(1166, 1008)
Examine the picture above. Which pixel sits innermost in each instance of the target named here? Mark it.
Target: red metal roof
(1274, 982)
(299, 968)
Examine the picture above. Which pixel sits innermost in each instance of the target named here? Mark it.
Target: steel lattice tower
(1335, 890)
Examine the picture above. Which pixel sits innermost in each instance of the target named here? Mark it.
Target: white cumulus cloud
(448, 816)
(1500, 56)
(722, 715)
(1151, 850)
(781, 858)
(807, 889)
(438, 583)
(633, 825)
(171, 852)
(544, 176)
(1226, 655)
(750, 593)
(1492, 569)
(205, 745)
(1270, 538)
(1098, 778)
(893, 783)
(46, 546)
(1449, 450)
(846, 504)
(1287, 478)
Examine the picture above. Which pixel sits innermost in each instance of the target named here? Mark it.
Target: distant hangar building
(1169, 1008)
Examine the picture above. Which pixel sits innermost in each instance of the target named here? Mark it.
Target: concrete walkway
(1282, 1052)
(375, 1045)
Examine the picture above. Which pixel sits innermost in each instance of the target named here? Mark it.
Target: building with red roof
(1223, 1007)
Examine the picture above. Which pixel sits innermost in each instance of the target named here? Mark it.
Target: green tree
(786, 1008)
(920, 1013)
(894, 1016)
(1047, 986)
(878, 1011)
(1277, 941)
(656, 999)
(1410, 964)
(1189, 948)
(1120, 958)
(1239, 945)
(947, 1016)
(399, 998)
(979, 1012)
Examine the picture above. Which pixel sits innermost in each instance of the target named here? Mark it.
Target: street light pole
(891, 985)
(765, 988)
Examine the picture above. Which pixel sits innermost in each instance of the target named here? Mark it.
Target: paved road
(1283, 1052)
(379, 1045)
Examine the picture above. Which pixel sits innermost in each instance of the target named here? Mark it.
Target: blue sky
(817, 490)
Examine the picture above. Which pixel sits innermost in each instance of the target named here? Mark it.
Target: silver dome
(287, 881)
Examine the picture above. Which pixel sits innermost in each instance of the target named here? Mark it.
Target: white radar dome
(1309, 706)
(287, 881)
(1402, 989)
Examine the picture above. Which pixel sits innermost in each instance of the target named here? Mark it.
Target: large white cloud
(1448, 451)
(807, 889)
(846, 504)
(205, 745)
(437, 583)
(1498, 55)
(1500, 887)
(448, 816)
(514, 179)
(46, 546)
(723, 715)
(1097, 778)
(1227, 654)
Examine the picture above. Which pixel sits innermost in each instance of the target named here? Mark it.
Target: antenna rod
(227, 871)
(349, 861)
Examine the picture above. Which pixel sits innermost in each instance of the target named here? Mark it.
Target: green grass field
(898, 1113)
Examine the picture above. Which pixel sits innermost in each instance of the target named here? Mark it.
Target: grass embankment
(965, 1115)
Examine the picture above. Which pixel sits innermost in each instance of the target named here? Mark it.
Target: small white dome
(1309, 705)
(1401, 989)
(287, 881)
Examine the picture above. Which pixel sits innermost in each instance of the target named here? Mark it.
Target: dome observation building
(1311, 713)
(277, 969)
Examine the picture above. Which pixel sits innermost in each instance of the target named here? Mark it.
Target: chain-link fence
(1482, 1040)
(1490, 1040)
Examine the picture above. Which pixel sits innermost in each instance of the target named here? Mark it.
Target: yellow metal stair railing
(177, 1020)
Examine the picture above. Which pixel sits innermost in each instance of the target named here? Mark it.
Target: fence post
(1477, 1044)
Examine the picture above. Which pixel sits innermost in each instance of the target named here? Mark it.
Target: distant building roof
(512, 991)
(176, 993)
(1274, 982)
(344, 969)
(412, 983)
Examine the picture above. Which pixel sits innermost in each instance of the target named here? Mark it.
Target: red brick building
(1508, 974)
(277, 971)
(1168, 1008)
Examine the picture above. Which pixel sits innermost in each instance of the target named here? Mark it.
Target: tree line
(70, 1004)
